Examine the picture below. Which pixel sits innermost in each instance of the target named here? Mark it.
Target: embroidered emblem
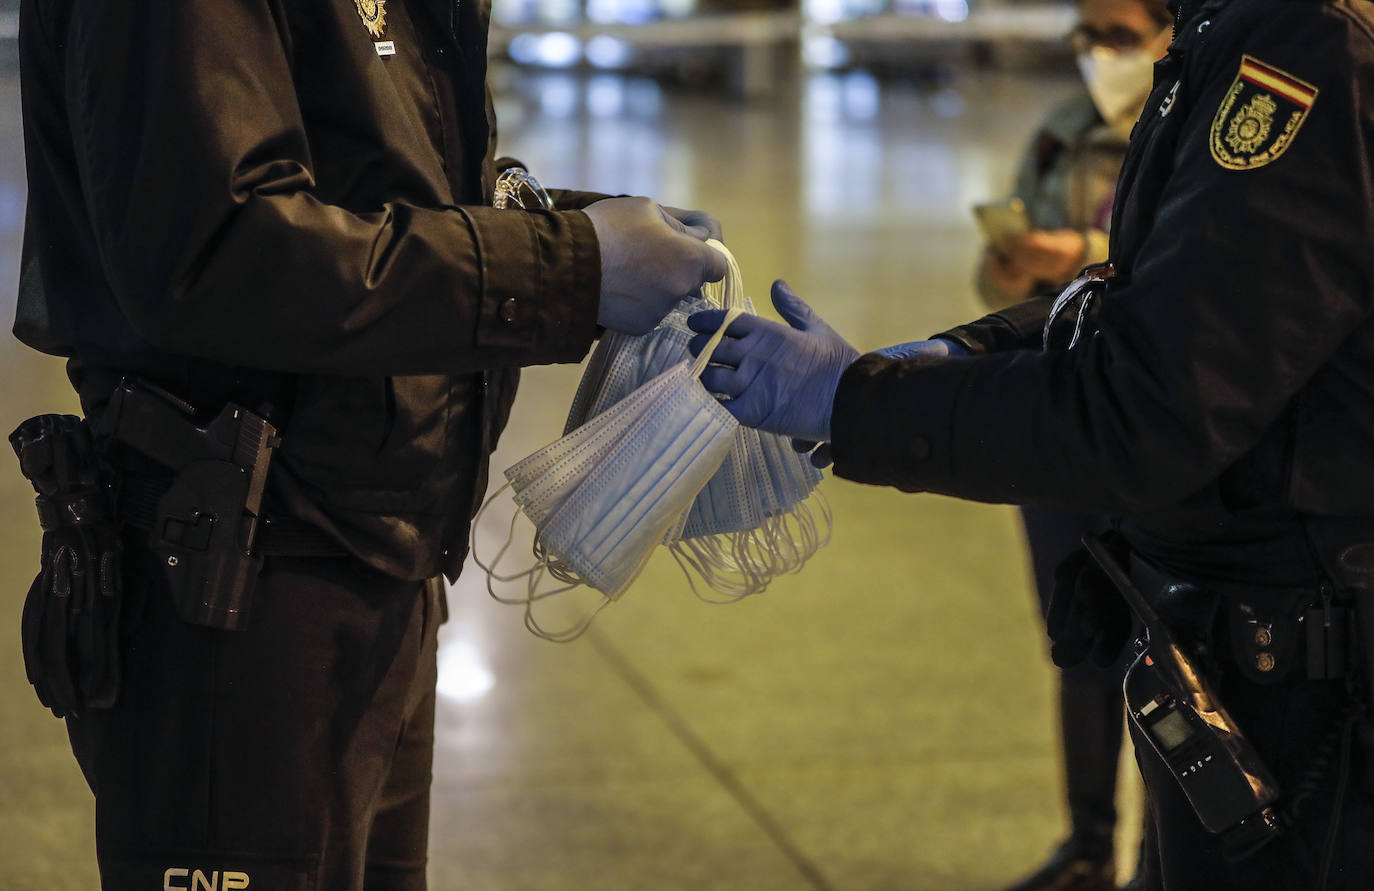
(1259, 116)
(373, 14)
(1251, 125)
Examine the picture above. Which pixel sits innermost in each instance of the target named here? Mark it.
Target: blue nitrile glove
(780, 379)
(935, 348)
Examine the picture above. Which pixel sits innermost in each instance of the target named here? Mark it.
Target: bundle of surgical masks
(649, 458)
(753, 520)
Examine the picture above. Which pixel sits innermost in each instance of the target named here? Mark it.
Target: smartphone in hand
(1001, 220)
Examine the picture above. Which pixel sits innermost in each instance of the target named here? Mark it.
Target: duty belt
(1265, 632)
(136, 506)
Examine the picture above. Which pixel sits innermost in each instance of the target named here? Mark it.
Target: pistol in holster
(204, 526)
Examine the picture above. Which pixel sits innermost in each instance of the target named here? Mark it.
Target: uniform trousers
(291, 755)
(1090, 709)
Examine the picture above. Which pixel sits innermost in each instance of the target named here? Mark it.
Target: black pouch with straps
(71, 619)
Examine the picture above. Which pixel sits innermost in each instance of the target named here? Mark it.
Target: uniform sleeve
(572, 199)
(1248, 282)
(197, 175)
(1014, 327)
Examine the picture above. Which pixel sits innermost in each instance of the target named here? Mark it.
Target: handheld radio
(1223, 777)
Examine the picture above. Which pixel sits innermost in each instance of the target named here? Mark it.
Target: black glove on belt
(1086, 616)
(70, 625)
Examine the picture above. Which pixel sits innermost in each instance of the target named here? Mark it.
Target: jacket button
(507, 311)
(920, 448)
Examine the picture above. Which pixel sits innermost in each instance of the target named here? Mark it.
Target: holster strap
(84, 508)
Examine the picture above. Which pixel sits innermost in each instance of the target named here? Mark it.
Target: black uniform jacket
(1226, 387)
(249, 200)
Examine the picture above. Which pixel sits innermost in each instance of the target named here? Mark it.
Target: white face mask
(1118, 80)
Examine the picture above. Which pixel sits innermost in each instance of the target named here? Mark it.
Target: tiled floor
(879, 721)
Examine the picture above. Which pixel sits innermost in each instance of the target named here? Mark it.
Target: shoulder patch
(1260, 115)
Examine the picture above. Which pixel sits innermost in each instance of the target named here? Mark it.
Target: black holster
(204, 525)
(71, 620)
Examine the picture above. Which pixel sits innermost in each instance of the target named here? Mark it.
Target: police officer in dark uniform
(1214, 391)
(262, 232)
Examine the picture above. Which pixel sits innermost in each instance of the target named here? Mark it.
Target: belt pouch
(71, 619)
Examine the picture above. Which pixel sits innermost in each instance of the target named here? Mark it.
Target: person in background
(1065, 183)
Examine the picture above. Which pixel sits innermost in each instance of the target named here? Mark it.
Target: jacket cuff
(541, 284)
(1016, 327)
(570, 199)
(888, 429)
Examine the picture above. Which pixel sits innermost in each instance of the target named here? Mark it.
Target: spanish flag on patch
(1260, 115)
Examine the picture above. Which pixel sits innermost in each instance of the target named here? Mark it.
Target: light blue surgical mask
(730, 502)
(622, 362)
(547, 477)
(615, 519)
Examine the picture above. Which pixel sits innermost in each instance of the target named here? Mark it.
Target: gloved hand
(1087, 616)
(649, 261)
(697, 219)
(779, 379)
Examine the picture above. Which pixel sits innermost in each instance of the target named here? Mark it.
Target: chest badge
(1259, 116)
(373, 14)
